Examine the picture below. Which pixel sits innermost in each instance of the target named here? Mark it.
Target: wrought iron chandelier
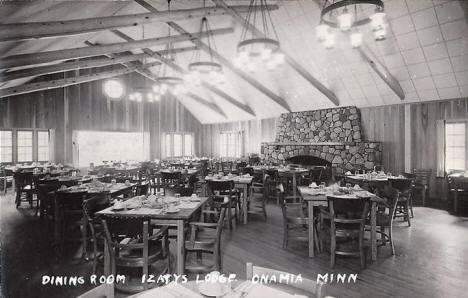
(253, 53)
(348, 15)
(205, 68)
(169, 81)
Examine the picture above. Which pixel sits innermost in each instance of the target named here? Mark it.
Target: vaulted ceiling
(426, 50)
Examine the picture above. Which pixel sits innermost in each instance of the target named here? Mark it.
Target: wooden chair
(274, 181)
(421, 183)
(46, 197)
(24, 187)
(457, 190)
(206, 238)
(171, 181)
(132, 244)
(403, 207)
(347, 219)
(311, 287)
(258, 197)
(217, 192)
(226, 167)
(90, 207)
(102, 291)
(72, 222)
(385, 215)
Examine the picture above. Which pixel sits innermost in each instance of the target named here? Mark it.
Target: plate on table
(118, 208)
(172, 210)
(213, 290)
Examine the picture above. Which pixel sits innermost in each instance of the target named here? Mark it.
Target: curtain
(440, 128)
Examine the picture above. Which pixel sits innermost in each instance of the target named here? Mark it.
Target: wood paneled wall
(86, 107)
(255, 132)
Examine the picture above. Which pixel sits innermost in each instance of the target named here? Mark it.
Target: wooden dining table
(177, 219)
(372, 183)
(316, 197)
(239, 288)
(241, 183)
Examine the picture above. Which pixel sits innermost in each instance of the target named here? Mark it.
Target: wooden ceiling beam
(49, 56)
(67, 66)
(36, 30)
(382, 71)
(179, 69)
(279, 100)
(291, 61)
(53, 84)
(148, 74)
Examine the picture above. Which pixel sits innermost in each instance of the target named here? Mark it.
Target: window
(231, 144)
(188, 145)
(6, 146)
(42, 145)
(25, 146)
(179, 144)
(454, 146)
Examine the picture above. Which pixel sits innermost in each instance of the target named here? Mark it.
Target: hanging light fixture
(113, 88)
(254, 52)
(205, 68)
(169, 81)
(337, 14)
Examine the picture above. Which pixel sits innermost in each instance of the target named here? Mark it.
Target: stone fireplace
(333, 135)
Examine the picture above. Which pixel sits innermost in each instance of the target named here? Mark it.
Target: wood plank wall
(85, 107)
(255, 132)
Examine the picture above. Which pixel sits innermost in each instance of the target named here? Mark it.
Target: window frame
(12, 146)
(35, 145)
(18, 146)
(238, 144)
(38, 145)
(169, 144)
(465, 143)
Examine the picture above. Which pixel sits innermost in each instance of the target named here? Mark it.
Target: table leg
(455, 202)
(311, 229)
(373, 231)
(244, 204)
(180, 247)
(107, 261)
(294, 186)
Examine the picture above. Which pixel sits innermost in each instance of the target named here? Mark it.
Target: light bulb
(345, 20)
(243, 57)
(355, 39)
(321, 31)
(380, 33)
(131, 97)
(279, 58)
(265, 54)
(149, 96)
(113, 88)
(156, 88)
(164, 88)
(377, 20)
(330, 41)
(138, 97)
(157, 97)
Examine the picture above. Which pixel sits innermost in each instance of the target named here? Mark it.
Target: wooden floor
(430, 257)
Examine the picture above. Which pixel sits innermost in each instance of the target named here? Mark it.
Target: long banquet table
(315, 197)
(180, 218)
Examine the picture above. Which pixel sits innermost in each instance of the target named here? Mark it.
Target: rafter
(33, 87)
(148, 74)
(67, 66)
(49, 56)
(251, 80)
(294, 64)
(36, 30)
(382, 71)
(177, 68)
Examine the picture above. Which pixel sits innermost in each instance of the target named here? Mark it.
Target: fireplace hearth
(330, 136)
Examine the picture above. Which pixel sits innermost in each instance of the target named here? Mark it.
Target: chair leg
(332, 251)
(390, 238)
(407, 215)
(410, 199)
(362, 253)
(229, 217)
(285, 237)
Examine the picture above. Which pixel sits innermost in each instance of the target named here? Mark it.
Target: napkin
(348, 173)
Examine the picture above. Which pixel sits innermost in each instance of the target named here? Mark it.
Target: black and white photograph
(233, 148)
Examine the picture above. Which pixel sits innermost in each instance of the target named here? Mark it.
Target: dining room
(233, 148)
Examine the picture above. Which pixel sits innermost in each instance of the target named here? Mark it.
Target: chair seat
(134, 257)
(204, 245)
